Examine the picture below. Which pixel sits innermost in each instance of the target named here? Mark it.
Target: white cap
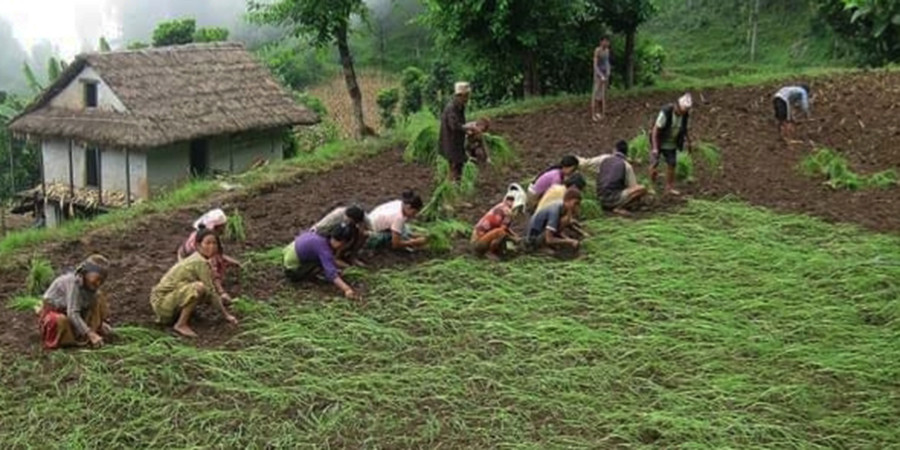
(211, 219)
(686, 101)
(461, 87)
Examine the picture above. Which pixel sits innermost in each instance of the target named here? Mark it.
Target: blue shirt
(311, 247)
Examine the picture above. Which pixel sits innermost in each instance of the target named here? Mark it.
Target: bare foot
(622, 212)
(673, 192)
(185, 331)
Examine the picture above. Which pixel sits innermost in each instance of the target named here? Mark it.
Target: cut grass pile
(830, 164)
(720, 326)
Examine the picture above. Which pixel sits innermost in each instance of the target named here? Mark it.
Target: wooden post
(71, 172)
(754, 19)
(127, 178)
(43, 175)
(99, 176)
(12, 165)
(231, 153)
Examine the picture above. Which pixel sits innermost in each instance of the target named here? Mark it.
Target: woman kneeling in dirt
(75, 310)
(551, 176)
(492, 232)
(187, 283)
(389, 228)
(312, 254)
(349, 215)
(214, 220)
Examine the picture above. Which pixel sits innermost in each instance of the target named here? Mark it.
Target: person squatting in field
(617, 186)
(454, 129)
(492, 232)
(313, 254)
(389, 224)
(476, 147)
(556, 193)
(602, 71)
(75, 311)
(353, 215)
(545, 229)
(669, 135)
(785, 101)
(214, 220)
(553, 175)
(188, 283)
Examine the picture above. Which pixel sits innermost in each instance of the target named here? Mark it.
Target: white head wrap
(517, 193)
(211, 219)
(461, 87)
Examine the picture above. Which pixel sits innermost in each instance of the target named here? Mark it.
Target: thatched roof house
(133, 121)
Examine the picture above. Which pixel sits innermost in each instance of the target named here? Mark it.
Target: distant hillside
(711, 37)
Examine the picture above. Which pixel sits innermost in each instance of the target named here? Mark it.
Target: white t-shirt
(388, 217)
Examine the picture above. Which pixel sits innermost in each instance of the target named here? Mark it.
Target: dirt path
(856, 115)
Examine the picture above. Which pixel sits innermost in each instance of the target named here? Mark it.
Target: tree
(174, 32)
(325, 22)
(625, 16)
(508, 38)
(104, 45)
(873, 26)
(211, 34)
(33, 83)
(137, 45)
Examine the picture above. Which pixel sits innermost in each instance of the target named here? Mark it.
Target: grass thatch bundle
(499, 149)
(235, 229)
(442, 233)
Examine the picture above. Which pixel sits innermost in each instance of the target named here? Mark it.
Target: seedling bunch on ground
(40, 275)
(234, 228)
(834, 167)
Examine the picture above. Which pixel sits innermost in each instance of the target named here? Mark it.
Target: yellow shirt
(554, 194)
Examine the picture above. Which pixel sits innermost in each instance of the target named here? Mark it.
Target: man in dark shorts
(785, 101)
(668, 137)
(546, 225)
(617, 186)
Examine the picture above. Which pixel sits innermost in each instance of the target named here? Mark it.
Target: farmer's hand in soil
(231, 319)
(574, 243)
(351, 294)
(95, 339)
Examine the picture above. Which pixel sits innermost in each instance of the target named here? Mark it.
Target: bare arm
(344, 287)
(397, 241)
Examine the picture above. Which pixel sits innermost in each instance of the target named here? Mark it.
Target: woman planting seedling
(312, 254)
(75, 310)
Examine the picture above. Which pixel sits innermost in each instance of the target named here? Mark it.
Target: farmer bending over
(551, 176)
(617, 186)
(214, 220)
(454, 129)
(75, 311)
(312, 254)
(187, 283)
(389, 228)
(492, 232)
(544, 229)
(349, 215)
(668, 137)
(556, 193)
(785, 100)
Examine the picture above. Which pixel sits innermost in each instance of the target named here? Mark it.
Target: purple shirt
(311, 247)
(547, 179)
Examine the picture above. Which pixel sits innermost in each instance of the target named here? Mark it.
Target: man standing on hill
(785, 101)
(454, 129)
(669, 134)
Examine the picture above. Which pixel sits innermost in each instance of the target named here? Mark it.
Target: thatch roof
(171, 94)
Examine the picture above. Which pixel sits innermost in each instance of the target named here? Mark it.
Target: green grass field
(718, 326)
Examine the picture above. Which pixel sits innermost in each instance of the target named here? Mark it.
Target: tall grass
(834, 167)
(721, 326)
(234, 228)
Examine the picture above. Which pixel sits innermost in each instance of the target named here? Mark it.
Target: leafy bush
(439, 86)
(312, 102)
(234, 228)
(211, 34)
(174, 32)
(297, 63)
(40, 275)
(413, 83)
(387, 101)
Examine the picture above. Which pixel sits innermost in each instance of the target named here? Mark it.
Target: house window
(90, 94)
(92, 167)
